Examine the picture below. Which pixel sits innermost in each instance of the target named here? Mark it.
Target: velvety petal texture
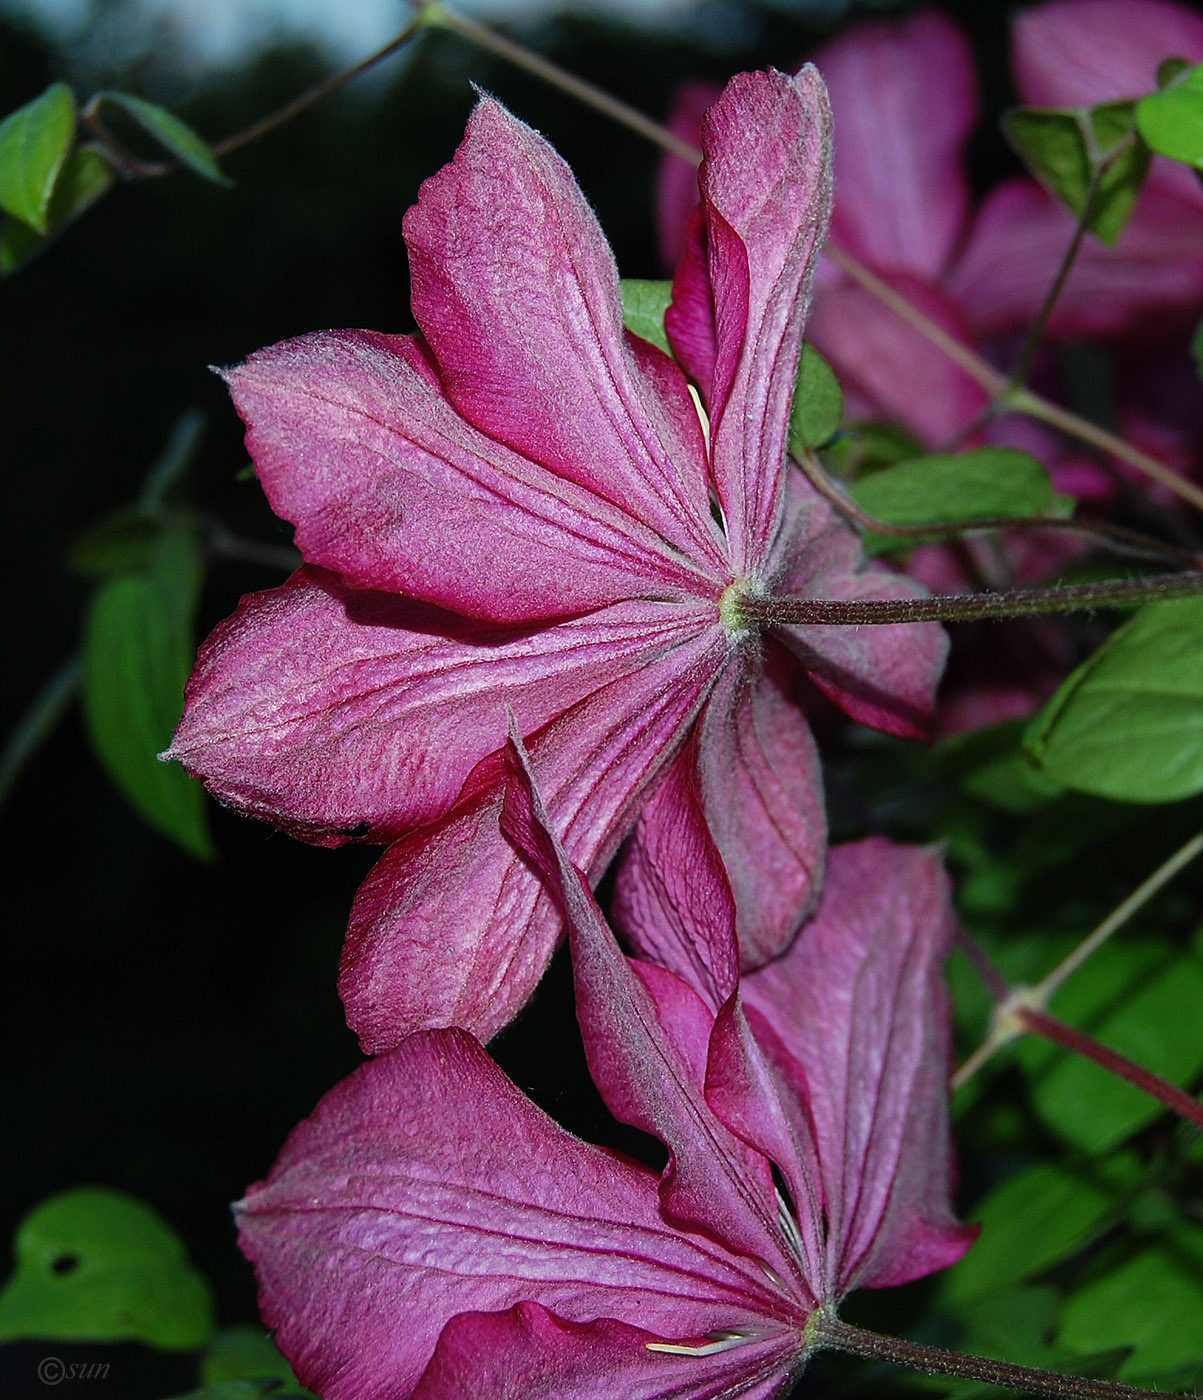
(766, 199)
(905, 101)
(521, 511)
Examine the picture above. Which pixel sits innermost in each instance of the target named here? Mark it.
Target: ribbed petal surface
(334, 712)
(856, 1017)
(451, 927)
(426, 1186)
(885, 677)
(766, 195)
(515, 289)
(356, 444)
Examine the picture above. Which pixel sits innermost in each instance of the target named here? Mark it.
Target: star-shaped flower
(524, 507)
(429, 1232)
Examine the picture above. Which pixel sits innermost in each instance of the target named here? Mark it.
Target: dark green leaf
(1171, 121)
(245, 1390)
(85, 176)
(1152, 1303)
(643, 308)
(119, 544)
(1170, 69)
(98, 1265)
(864, 448)
(1140, 998)
(818, 408)
(34, 141)
(1033, 1221)
(1126, 724)
(138, 652)
(245, 1353)
(171, 133)
(1076, 150)
(954, 489)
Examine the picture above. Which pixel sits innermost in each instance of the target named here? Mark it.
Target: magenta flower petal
(1155, 269)
(849, 664)
(1074, 53)
(341, 713)
(858, 1015)
(766, 195)
(904, 98)
(515, 288)
(387, 1215)
(886, 368)
(646, 1039)
(355, 443)
(529, 1352)
(763, 799)
(450, 927)
(673, 899)
(677, 187)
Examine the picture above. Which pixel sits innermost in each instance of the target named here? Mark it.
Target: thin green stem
(561, 78)
(320, 91)
(1033, 1019)
(968, 607)
(1031, 343)
(827, 1330)
(38, 723)
(1118, 917)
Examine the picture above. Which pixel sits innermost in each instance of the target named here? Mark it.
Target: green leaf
(1171, 121)
(98, 1265)
(245, 1353)
(643, 308)
(85, 176)
(1034, 1220)
(1126, 724)
(1067, 149)
(246, 1390)
(34, 141)
(1140, 998)
(171, 133)
(954, 489)
(138, 653)
(864, 448)
(1152, 1303)
(818, 408)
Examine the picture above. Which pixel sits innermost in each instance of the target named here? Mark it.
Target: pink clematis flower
(430, 1233)
(523, 507)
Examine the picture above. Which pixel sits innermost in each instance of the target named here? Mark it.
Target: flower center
(731, 611)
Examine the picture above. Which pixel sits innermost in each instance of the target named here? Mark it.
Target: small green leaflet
(818, 408)
(246, 1354)
(643, 308)
(98, 1265)
(1171, 121)
(954, 489)
(1126, 724)
(171, 133)
(1068, 149)
(85, 176)
(34, 141)
(138, 652)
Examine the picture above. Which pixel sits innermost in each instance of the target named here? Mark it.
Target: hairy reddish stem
(826, 1330)
(1041, 1023)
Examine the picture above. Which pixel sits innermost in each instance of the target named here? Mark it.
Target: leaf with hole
(98, 1265)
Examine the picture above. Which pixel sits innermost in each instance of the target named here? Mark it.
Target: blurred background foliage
(167, 1020)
